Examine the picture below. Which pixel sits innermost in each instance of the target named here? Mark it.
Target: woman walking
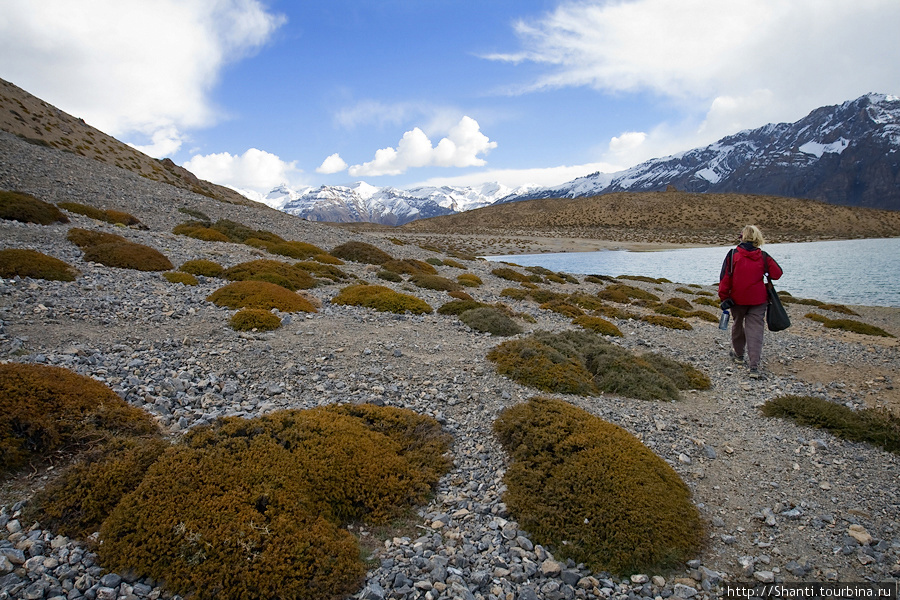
(743, 290)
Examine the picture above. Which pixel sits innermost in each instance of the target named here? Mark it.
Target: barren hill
(38, 122)
(670, 217)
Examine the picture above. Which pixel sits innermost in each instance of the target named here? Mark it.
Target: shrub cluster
(409, 266)
(382, 299)
(598, 325)
(489, 319)
(667, 321)
(584, 363)
(849, 325)
(25, 208)
(361, 252)
(878, 427)
(202, 267)
(108, 215)
(180, 277)
(624, 294)
(16, 262)
(262, 295)
(44, 408)
(593, 492)
(510, 274)
(254, 508)
(325, 270)
(273, 271)
(435, 282)
(469, 280)
(249, 319)
(115, 251)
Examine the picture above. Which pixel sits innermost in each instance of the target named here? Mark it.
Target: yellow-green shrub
(252, 508)
(632, 292)
(489, 319)
(849, 325)
(328, 271)
(510, 274)
(593, 492)
(582, 362)
(115, 251)
(286, 275)
(563, 307)
(680, 303)
(409, 266)
(37, 265)
(361, 252)
(389, 276)
(469, 280)
(875, 426)
(260, 294)
(248, 319)
(449, 262)
(327, 259)
(114, 217)
(458, 307)
(25, 208)
(514, 293)
(77, 504)
(295, 249)
(435, 282)
(180, 277)
(202, 267)
(382, 299)
(44, 408)
(598, 325)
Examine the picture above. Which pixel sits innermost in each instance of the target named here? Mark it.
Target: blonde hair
(752, 234)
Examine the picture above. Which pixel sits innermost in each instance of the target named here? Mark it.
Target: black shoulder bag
(776, 317)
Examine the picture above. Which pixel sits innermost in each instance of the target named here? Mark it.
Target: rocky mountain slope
(847, 154)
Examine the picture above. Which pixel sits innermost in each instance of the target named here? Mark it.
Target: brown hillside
(670, 217)
(38, 122)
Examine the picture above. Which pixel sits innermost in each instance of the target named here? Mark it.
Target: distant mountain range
(848, 154)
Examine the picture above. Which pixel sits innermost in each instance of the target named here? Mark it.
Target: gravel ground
(781, 502)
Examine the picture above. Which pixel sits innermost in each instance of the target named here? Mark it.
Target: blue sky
(406, 92)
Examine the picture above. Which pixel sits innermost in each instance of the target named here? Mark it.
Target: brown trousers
(749, 324)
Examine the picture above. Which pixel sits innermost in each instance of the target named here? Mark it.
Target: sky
(256, 94)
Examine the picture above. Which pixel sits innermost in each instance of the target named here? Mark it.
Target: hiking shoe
(738, 360)
(755, 374)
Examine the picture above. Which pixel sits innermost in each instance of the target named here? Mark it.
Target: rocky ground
(781, 502)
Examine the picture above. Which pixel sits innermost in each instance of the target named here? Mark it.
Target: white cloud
(255, 170)
(332, 164)
(461, 148)
(726, 66)
(140, 70)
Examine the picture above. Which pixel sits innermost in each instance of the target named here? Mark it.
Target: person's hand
(726, 304)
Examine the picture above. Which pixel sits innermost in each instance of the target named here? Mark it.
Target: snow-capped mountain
(387, 205)
(845, 154)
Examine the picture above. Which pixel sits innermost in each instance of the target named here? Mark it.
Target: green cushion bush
(849, 325)
(115, 251)
(202, 267)
(458, 307)
(469, 280)
(680, 303)
(249, 319)
(435, 282)
(382, 299)
(180, 277)
(328, 271)
(667, 321)
(15, 262)
(489, 319)
(879, 427)
(260, 294)
(294, 249)
(25, 208)
(510, 274)
(584, 363)
(361, 252)
(254, 508)
(284, 274)
(409, 266)
(593, 492)
(598, 325)
(114, 217)
(45, 408)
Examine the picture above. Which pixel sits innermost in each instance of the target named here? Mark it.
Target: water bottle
(723, 320)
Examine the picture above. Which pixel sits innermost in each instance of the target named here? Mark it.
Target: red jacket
(742, 275)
